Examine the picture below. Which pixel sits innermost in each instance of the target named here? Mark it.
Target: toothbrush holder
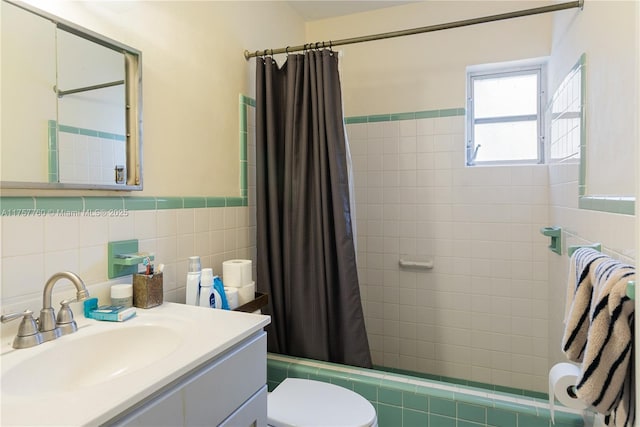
(147, 290)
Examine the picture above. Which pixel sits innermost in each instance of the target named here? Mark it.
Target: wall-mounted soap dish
(123, 258)
(556, 238)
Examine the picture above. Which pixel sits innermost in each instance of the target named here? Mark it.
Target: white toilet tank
(306, 403)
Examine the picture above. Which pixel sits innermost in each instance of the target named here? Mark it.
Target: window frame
(512, 69)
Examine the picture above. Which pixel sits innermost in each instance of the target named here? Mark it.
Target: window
(504, 114)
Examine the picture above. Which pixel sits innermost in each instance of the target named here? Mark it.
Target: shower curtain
(305, 241)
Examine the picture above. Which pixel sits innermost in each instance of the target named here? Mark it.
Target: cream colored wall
(605, 31)
(426, 71)
(193, 72)
(24, 63)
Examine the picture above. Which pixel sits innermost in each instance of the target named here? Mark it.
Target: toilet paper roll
(232, 297)
(236, 272)
(562, 378)
(247, 293)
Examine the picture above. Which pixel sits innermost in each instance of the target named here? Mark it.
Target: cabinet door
(253, 413)
(219, 390)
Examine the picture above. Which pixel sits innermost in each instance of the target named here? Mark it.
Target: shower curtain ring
(317, 43)
(286, 50)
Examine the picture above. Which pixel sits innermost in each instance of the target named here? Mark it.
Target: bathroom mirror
(71, 105)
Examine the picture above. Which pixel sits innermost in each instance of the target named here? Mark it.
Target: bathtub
(406, 401)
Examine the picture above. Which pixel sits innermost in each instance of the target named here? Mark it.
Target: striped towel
(578, 302)
(606, 381)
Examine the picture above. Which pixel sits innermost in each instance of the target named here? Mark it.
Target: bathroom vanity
(171, 365)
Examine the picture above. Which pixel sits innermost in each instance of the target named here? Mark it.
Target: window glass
(504, 120)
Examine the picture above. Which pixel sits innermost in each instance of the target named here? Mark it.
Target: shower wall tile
(479, 225)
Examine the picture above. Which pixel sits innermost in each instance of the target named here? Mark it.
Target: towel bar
(572, 249)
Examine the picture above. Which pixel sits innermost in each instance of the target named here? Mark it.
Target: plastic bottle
(193, 281)
(218, 288)
(206, 287)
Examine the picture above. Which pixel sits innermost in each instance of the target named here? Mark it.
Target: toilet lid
(299, 402)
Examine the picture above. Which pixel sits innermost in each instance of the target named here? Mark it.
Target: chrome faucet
(49, 328)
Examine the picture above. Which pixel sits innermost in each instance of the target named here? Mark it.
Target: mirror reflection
(71, 105)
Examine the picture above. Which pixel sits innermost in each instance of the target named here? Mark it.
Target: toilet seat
(299, 402)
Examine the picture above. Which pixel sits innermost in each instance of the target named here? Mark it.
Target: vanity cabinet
(228, 390)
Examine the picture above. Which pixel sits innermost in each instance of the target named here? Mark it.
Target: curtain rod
(419, 30)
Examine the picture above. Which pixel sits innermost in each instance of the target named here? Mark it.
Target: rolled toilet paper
(232, 297)
(562, 379)
(247, 293)
(236, 272)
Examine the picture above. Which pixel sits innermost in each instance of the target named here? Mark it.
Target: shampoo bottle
(193, 281)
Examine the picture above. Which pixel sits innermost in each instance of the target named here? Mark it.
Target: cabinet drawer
(252, 414)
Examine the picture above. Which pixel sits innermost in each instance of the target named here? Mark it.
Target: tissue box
(147, 290)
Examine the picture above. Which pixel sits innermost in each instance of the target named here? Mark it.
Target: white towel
(606, 350)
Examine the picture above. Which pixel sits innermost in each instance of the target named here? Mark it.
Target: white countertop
(197, 335)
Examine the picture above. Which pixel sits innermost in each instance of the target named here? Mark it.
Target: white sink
(91, 360)
(98, 372)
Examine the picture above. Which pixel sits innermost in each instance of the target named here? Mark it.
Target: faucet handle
(65, 320)
(28, 335)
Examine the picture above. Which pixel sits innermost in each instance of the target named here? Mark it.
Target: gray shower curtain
(305, 242)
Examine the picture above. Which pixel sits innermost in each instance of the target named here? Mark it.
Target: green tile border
(21, 206)
(375, 118)
(402, 402)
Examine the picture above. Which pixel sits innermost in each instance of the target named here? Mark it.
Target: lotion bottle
(193, 281)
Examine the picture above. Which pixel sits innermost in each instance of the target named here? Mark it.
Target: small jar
(122, 295)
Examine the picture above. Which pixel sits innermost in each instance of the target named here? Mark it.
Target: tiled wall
(402, 401)
(481, 312)
(50, 235)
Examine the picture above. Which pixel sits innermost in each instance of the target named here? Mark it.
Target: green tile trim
(619, 205)
(140, 203)
(103, 203)
(194, 202)
(90, 132)
(447, 112)
(427, 114)
(403, 116)
(355, 120)
(18, 206)
(379, 118)
(236, 201)
(216, 202)
(169, 203)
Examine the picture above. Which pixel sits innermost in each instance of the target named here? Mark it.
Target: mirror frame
(133, 114)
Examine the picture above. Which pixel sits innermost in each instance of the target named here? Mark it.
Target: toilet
(299, 402)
